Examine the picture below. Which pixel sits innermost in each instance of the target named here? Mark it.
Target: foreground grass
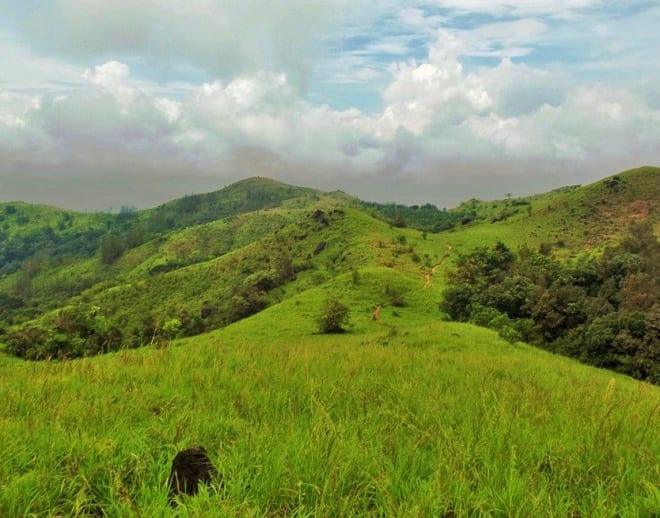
(425, 421)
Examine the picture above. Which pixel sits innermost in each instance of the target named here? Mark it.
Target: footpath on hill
(428, 276)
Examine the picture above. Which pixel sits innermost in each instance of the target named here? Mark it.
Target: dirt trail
(428, 276)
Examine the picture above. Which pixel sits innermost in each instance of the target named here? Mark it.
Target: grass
(413, 420)
(577, 219)
(405, 416)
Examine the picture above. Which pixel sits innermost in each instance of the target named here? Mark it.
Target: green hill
(402, 415)
(569, 220)
(79, 284)
(396, 419)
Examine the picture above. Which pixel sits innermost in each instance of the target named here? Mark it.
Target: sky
(110, 103)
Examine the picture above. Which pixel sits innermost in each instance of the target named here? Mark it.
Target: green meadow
(439, 419)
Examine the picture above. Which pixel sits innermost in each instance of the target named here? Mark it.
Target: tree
(172, 328)
(333, 316)
(111, 248)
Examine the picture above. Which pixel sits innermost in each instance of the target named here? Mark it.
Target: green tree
(333, 317)
(172, 328)
(111, 248)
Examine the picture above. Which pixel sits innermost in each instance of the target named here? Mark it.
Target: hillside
(33, 232)
(399, 420)
(401, 415)
(49, 255)
(81, 284)
(568, 220)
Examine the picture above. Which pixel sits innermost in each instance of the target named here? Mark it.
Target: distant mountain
(75, 284)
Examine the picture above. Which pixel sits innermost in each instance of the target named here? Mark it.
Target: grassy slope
(53, 236)
(573, 220)
(401, 417)
(210, 260)
(405, 420)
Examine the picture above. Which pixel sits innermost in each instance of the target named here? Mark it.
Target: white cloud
(437, 92)
(434, 113)
(111, 77)
(16, 108)
(517, 88)
(223, 38)
(443, 118)
(20, 132)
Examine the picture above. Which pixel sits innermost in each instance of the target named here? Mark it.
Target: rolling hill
(207, 308)
(78, 284)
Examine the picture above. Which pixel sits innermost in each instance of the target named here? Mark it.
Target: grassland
(400, 420)
(404, 416)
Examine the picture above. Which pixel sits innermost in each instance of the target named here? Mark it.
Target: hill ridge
(203, 261)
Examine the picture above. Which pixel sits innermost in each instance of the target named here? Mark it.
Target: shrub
(395, 296)
(172, 328)
(483, 315)
(509, 334)
(333, 316)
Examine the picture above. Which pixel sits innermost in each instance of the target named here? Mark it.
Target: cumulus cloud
(434, 111)
(221, 38)
(444, 131)
(437, 92)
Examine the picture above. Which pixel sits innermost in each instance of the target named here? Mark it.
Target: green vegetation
(603, 311)
(410, 421)
(235, 297)
(32, 236)
(425, 217)
(334, 316)
(140, 270)
(205, 277)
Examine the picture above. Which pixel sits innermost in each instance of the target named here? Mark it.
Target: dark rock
(320, 217)
(189, 468)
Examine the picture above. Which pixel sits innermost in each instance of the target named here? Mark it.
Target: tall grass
(434, 420)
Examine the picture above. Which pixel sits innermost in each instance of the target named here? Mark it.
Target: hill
(404, 420)
(568, 220)
(204, 261)
(401, 415)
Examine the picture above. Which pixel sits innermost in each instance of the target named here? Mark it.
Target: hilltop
(570, 219)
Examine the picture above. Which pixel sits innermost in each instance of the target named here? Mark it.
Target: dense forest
(602, 310)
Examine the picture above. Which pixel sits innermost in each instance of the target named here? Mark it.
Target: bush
(509, 334)
(395, 296)
(333, 316)
(483, 315)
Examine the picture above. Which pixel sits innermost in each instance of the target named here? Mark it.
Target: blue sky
(115, 102)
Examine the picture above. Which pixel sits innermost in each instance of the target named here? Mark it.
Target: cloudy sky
(106, 103)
